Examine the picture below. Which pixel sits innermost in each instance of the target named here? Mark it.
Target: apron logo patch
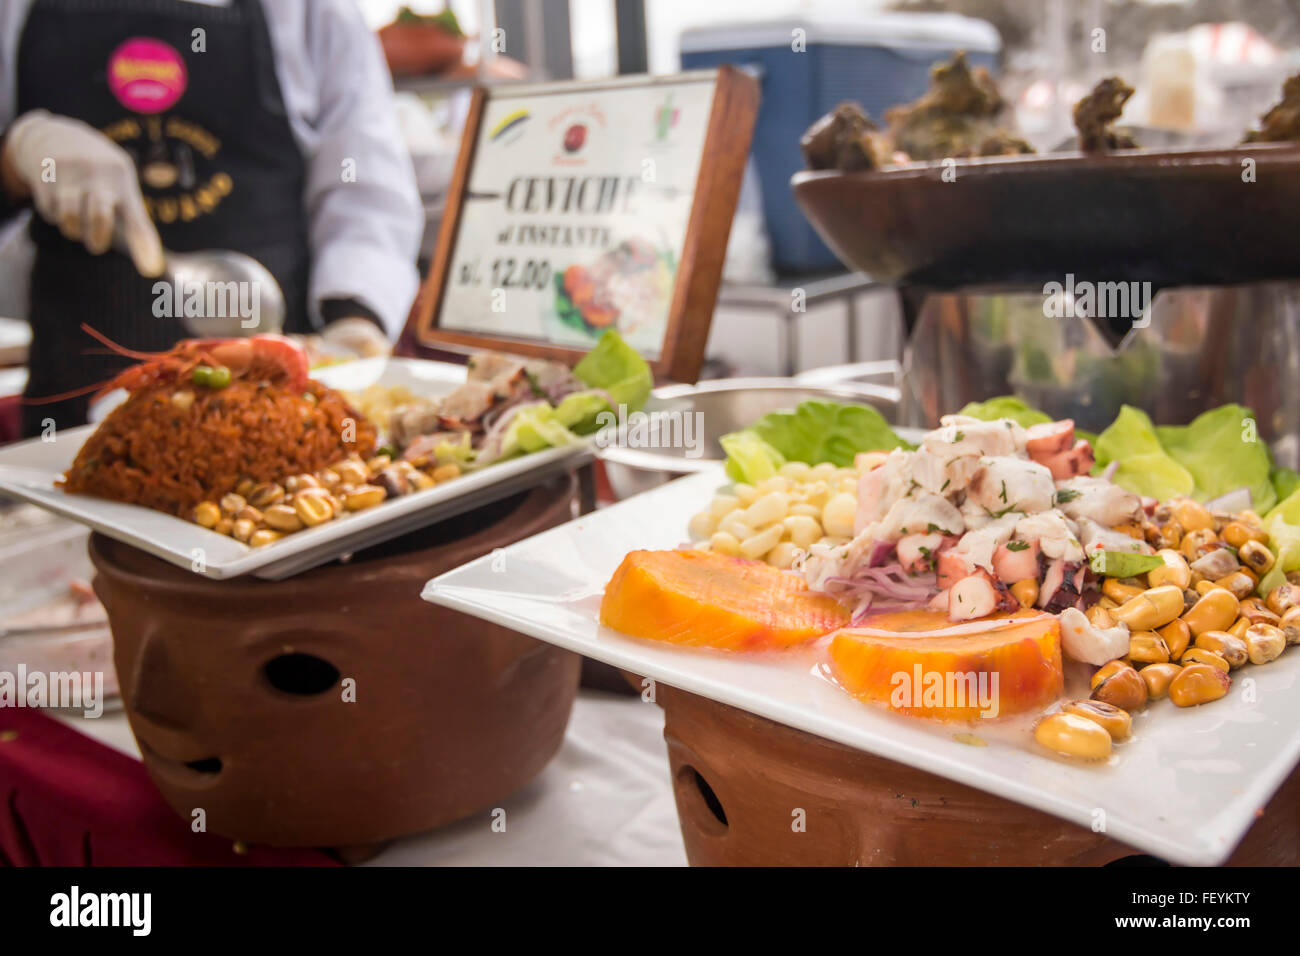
(146, 75)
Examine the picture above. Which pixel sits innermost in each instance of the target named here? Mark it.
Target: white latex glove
(84, 183)
(359, 336)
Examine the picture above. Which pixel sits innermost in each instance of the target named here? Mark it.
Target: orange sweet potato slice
(700, 598)
(918, 663)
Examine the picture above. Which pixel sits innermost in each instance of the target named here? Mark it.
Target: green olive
(210, 377)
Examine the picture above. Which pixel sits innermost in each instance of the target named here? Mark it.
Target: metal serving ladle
(240, 295)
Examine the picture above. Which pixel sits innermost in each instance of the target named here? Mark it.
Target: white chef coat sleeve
(364, 214)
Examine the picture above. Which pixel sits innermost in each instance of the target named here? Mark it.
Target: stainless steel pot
(638, 460)
(1189, 350)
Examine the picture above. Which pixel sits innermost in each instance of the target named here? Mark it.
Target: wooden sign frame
(699, 268)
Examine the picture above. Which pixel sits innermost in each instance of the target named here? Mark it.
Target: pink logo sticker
(146, 75)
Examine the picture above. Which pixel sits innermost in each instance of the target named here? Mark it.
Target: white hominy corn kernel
(782, 556)
(811, 511)
(746, 493)
(775, 483)
(803, 530)
(723, 505)
(833, 542)
(724, 543)
(734, 524)
(824, 472)
(796, 470)
(816, 493)
(773, 506)
(838, 515)
(702, 525)
(848, 486)
(764, 541)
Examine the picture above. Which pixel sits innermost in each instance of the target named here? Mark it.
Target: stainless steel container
(1189, 350)
(639, 463)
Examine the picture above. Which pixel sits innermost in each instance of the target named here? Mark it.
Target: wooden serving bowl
(336, 708)
(419, 49)
(752, 792)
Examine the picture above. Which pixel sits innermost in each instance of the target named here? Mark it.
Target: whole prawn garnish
(271, 358)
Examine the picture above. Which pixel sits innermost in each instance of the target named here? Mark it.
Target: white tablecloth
(606, 798)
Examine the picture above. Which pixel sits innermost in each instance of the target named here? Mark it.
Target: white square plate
(1185, 788)
(28, 471)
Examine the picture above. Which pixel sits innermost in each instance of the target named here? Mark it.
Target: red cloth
(11, 418)
(68, 800)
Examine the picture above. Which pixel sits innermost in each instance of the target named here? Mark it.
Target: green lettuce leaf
(749, 458)
(1223, 454)
(618, 369)
(1144, 467)
(534, 428)
(814, 432)
(579, 412)
(1285, 482)
(1284, 542)
(1005, 406)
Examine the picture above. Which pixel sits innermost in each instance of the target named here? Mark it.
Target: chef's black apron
(219, 168)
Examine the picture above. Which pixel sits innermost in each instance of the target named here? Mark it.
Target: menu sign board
(582, 207)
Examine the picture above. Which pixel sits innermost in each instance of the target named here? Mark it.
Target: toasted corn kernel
(1290, 625)
(1106, 671)
(329, 479)
(1098, 616)
(378, 463)
(1228, 646)
(1177, 637)
(1239, 627)
(1157, 678)
(1237, 533)
(1196, 544)
(1025, 591)
(420, 481)
(1120, 592)
(446, 472)
(232, 504)
(1198, 655)
(1239, 583)
(224, 526)
(282, 517)
(1264, 643)
(1174, 570)
(296, 483)
(244, 487)
(264, 536)
(1073, 736)
(1193, 516)
(313, 506)
(1124, 689)
(1204, 587)
(1198, 684)
(1106, 604)
(242, 529)
(366, 496)
(1283, 597)
(1215, 611)
(1147, 647)
(1255, 611)
(1151, 609)
(207, 514)
(265, 495)
(1256, 556)
(351, 472)
(1116, 722)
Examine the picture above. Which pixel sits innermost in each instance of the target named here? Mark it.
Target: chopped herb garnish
(1017, 545)
(1066, 494)
(1003, 494)
(1000, 514)
(933, 528)
(944, 486)
(960, 436)
(925, 552)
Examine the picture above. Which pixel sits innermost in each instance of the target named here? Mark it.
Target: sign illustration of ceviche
(577, 208)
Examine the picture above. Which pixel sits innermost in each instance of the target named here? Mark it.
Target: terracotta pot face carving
(335, 708)
(753, 792)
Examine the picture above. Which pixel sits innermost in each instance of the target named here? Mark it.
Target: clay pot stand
(744, 783)
(238, 691)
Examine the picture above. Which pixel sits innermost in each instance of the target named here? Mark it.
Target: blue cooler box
(878, 61)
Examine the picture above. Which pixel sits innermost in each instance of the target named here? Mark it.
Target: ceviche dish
(1006, 564)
